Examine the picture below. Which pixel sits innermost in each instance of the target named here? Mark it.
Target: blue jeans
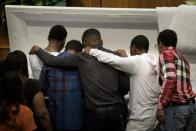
(180, 118)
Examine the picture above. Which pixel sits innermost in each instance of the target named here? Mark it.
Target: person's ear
(160, 45)
(49, 39)
(133, 47)
(101, 42)
(135, 50)
(84, 43)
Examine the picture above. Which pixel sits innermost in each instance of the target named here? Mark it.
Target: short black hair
(167, 38)
(58, 32)
(74, 45)
(141, 42)
(90, 32)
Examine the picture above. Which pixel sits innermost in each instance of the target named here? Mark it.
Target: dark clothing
(70, 130)
(101, 88)
(1, 68)
(32, 87)
(99, 80)
(65, 96)
(108, 118)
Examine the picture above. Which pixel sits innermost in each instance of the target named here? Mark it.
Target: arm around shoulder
(41, 111)
(125, 64)
(56, 61)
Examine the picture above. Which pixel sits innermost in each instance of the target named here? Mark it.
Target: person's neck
(52, 46)
(166, 48)
(71, 52)
(141, 52)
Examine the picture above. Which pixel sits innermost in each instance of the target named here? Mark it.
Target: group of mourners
(82, 87)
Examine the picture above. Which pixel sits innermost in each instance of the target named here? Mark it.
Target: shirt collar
(170, 48)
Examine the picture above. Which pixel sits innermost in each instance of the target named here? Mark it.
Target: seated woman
(14, 115)
(17, 61)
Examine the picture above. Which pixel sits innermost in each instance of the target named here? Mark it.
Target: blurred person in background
(14, 114)
(17, 61)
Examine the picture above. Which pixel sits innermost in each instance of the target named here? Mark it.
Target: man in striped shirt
(176, 106)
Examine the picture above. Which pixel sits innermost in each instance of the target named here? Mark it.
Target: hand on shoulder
(87, 50)
(121, 53)
(34, 49)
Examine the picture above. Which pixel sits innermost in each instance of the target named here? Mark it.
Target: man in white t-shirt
(144, 86)
(56, 38)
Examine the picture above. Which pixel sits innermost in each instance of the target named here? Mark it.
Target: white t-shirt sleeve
(126, 64)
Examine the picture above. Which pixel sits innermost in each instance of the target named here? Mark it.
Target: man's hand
(34, 49)
(160, 115)
(87, 50)
(121, 53)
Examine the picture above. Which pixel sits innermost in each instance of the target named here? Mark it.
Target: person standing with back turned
(64, 89)
(56, 38)
(176, 106)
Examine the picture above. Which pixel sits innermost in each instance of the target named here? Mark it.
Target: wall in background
(127, 3)
(4, 44)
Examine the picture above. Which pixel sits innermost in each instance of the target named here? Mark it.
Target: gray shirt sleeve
(50, 60)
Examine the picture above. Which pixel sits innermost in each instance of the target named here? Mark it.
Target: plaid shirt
(64, 90)
(175, 75)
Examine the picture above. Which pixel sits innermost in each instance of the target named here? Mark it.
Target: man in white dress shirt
(56, 38)
(144, 86)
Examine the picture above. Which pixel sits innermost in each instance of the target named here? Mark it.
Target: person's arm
(121, 53)
(168, 68)
(126, 64)
(56, 61)
(41, 111)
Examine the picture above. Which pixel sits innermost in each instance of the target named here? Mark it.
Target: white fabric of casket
(165, 16)
(181, 19)
(184, 23)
